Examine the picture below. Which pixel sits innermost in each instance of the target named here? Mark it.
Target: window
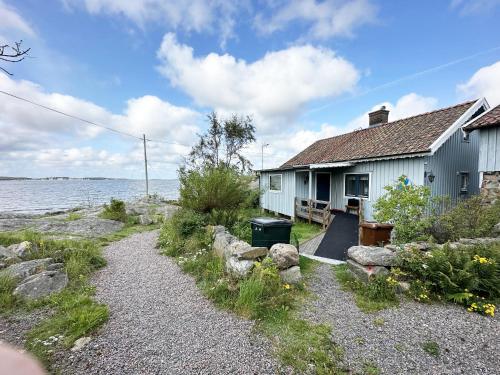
(275, 182)
(464, 182)
(357, 185)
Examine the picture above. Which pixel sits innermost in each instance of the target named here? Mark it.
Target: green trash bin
(266, 231)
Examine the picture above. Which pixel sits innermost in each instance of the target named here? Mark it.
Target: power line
(88, 121)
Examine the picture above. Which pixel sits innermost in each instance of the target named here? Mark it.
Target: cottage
(341, 172)
(488, 126)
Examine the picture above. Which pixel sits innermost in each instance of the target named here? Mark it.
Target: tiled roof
(488, 119)
(406, 136)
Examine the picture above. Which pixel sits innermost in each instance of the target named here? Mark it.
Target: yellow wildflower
(481, 260)
(286, 286)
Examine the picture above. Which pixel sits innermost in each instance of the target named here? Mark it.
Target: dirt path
(161, 324)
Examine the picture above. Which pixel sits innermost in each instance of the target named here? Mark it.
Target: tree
(223, 142)
(12, 54)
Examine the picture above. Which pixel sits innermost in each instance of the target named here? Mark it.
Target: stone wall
(490, 187)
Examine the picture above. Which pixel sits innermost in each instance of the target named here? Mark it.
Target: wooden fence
(313, 210)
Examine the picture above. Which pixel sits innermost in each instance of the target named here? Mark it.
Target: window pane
(364, 187)
(350, 184)
(275, 182)
(357, 185)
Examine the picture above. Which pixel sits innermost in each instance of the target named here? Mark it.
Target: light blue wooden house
(337, 173)
(487, 125)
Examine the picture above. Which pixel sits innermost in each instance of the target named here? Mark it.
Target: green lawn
(304, 231)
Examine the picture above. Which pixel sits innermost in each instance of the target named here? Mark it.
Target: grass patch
(379, 322)
(73, 216)
(303, 231)
(74, 313)
(431, 347)
(374, 296)
(261, 297)
(128, 230)
(369, 368)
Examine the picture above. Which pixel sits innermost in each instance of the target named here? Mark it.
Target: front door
(323, 187)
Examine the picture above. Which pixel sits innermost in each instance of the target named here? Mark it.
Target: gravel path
(161, 324)
(469, 343)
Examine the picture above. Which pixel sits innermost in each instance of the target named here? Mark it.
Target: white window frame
(281, 183)
(316, 185)
(369, 186)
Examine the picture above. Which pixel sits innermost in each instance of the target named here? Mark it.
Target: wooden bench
(352, 205)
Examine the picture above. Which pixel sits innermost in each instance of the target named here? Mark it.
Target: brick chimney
(380, 116)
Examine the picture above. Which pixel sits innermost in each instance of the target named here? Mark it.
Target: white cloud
(406, 106)
(272, 89)
(326, 19)
(484, 83)
(187, 15)
(11, 20)
(469, 7)
(45, 138)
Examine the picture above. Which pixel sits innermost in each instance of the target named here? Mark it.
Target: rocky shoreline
(85, 222)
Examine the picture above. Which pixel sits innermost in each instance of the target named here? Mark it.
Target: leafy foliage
(379, 293)
(114, 211)
(404, 205)
(222, 144)
(468, 275)
(470, 218)
(211, 188)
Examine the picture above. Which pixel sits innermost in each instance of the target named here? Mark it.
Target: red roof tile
(406, 136)
(488, 119)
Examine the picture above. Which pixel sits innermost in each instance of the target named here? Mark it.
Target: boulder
(365, 273)
(371, 256)
(478, 241)
(22, 249)
(393, 248)
(222, 240)
(2, 266)
(420, 245)
(284, 255)
(145, 219)
(291, 275)
(6, 253)
(80, 343)
(42, 284)
(238, 268)
(20, 271)
(496, 230)
(251, 253)
(55, 267)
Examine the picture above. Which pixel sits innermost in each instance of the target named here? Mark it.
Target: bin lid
(271, 222)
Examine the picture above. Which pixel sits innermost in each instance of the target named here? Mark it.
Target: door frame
(329, 187)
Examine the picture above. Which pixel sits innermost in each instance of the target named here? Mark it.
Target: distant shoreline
(4, 178)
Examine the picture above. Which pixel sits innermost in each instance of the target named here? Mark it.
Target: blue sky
(303, 69)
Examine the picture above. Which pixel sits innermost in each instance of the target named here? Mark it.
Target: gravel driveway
(469, 343)
(161, 324)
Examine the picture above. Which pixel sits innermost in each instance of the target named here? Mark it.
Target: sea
(40, 196)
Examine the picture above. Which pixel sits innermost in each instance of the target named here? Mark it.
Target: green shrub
(379, 293)
(404, 205)
(470, 218)
(7, 300)
(468, 275)
(114, 211)
(213, 188)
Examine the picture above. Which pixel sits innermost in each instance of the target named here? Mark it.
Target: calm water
(36, 196)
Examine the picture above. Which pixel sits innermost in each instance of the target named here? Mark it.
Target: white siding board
(280, 202)
(489, 150)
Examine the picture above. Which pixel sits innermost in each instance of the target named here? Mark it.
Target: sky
(303, 69)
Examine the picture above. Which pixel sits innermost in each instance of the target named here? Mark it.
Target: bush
(470, 218)
(176, 231)
(469, 275)
(114, 211)
(404, 205)
(7, 300)
(213, 188)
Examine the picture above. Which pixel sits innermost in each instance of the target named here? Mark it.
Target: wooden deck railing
(313, 210)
